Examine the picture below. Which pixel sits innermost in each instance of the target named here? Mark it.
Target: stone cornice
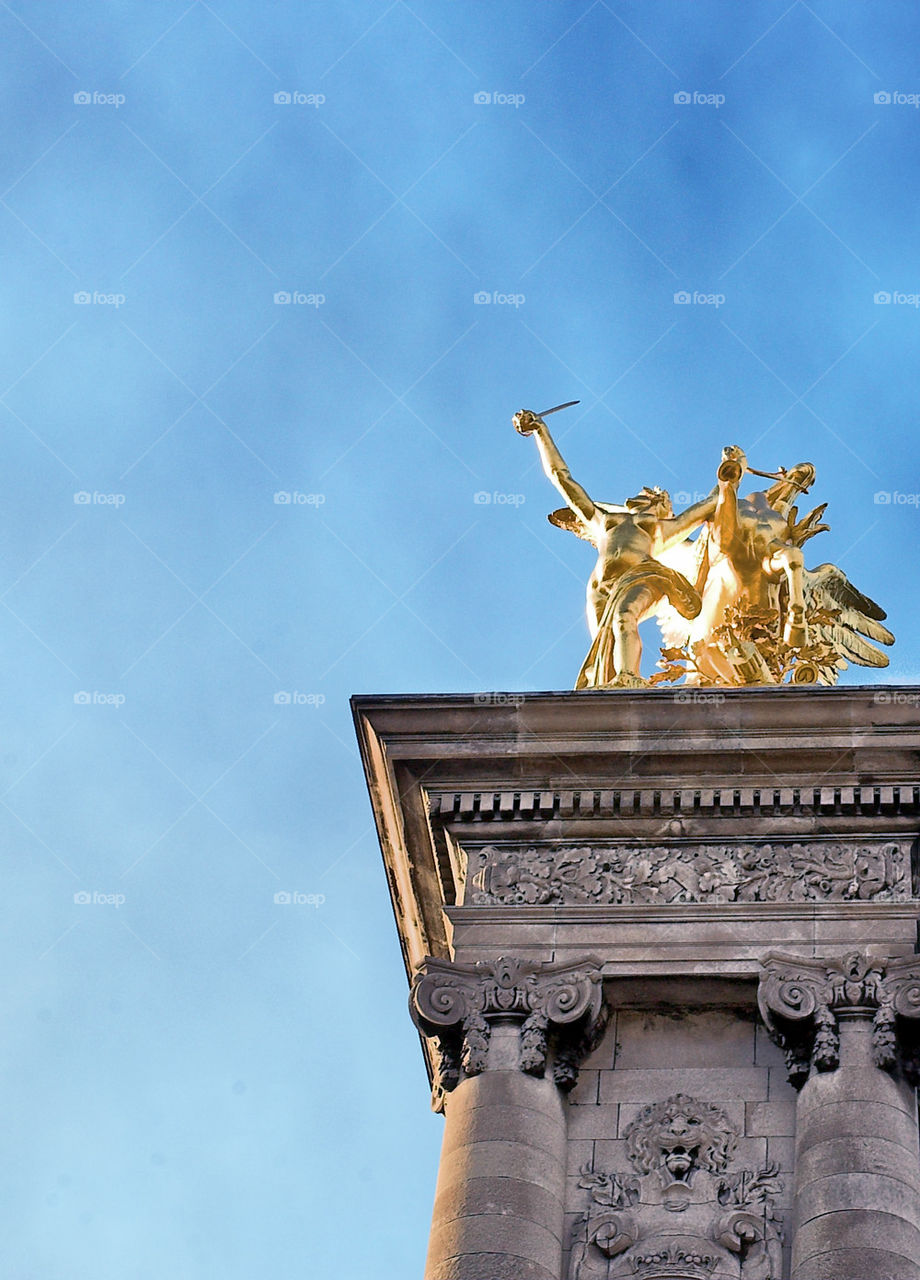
(448, 773)
(485, 805)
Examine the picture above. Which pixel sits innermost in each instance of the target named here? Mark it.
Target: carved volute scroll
(684, 1213)
(559, 1010)
(802, 1000)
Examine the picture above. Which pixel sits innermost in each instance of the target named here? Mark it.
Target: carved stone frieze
(683, 1213)
(801, 1001)
(770, 871)
(559, 1010)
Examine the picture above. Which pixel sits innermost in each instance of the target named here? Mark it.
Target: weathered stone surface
(489, 1266)
(497, 1233)
(827, 1123)
(685, 1038)
(518, 1125)
(494, 1159)
(858, 1264)
(856, 1229)
(586, 1088)
(509, 1089)
(865, 1153)
(594, 1122)
(748, 1083)
(770, 1119)
(857, 1170)
(868, 1191)
(683, 939)
(495, 1195)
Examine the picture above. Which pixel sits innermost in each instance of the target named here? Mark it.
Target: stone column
(510, 1035)
(850, 1035)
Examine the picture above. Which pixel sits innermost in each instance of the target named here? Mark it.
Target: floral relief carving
(773, 871)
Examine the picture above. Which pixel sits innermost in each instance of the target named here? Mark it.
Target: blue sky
(199, 1081)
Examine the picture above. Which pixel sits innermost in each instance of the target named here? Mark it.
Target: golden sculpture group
(736, 605)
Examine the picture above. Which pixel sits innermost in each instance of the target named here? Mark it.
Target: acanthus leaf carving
(774, 871)
(559, 1008)
(802, 999)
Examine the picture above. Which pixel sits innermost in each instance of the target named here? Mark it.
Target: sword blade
(568, 404)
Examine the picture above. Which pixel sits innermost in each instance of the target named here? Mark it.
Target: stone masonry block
(693, 1038)
(715, 1084)
(593, 1122)
(495, 1233)
(506, 1196)
(769, 1119)
(864, 1191)
(856, 1118)
(858, 1229)
(586, 1088)
(502, 1160)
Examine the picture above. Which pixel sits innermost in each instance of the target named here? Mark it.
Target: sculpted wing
(855, 619)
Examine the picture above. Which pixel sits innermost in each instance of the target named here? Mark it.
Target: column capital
(559, 1008)
(802, 1001)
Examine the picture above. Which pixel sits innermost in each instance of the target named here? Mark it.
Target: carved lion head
(679, 1135)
